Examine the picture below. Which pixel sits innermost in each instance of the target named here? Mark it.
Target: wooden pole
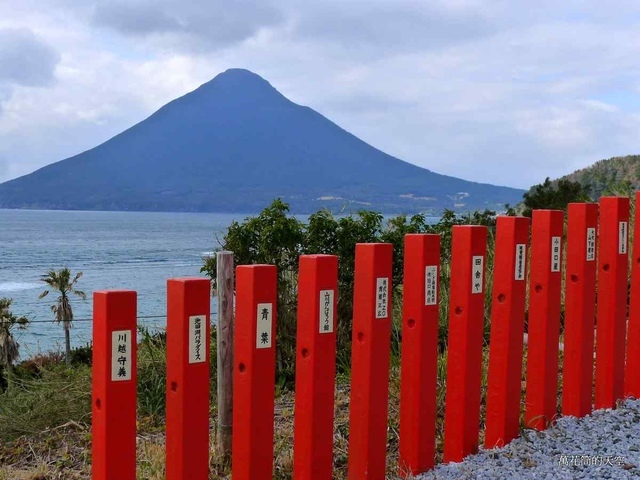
(224, 282)
(464, 357)
(188, 359)
(113, 427)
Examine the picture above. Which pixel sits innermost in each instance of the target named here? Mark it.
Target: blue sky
(506, 92)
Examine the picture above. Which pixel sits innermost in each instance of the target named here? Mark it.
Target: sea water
(114, 250)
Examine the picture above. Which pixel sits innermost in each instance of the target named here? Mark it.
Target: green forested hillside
(614, 175)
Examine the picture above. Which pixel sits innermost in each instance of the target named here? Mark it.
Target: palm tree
(9, 347)
(60, 281)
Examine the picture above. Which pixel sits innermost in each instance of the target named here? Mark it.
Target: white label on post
(591, 244)
(622, 241)
(263, 330)
(197, 345)
(431, 285)
(382, 297)
(555, 253)
(326, 311)
(521, 258)
(477, 273)
(120, 355)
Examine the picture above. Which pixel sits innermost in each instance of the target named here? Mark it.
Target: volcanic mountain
(233, 145)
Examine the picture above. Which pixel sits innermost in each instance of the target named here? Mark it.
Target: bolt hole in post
(98, 404)
(305, 353)
(360, 337)
(574, 278)
(411, 323)
(174, 386)
(538, 288)
(458, 311)
(606, 267)
(502, 298)
(242, 368)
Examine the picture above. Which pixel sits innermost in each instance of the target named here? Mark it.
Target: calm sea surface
(114, 250)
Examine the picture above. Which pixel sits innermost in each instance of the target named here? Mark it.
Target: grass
(45, 428)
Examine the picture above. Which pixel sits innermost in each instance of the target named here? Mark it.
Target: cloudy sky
(505, 92)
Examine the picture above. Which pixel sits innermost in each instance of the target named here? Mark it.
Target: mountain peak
(234, 145)
(240, 80)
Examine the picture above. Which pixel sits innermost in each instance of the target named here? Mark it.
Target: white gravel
(605, 444)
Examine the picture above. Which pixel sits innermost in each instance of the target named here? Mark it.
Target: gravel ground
(605, 444)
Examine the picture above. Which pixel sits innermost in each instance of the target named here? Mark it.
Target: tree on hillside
(60, 281)
(9, 347)
(554, 195)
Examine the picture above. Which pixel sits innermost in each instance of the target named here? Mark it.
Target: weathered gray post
(224, 276)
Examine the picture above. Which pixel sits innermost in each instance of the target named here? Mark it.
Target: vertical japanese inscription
(120, 355)
(382, 297)
(591, 244)
(477, 274)
(521, 256)
(622, 239)
(326, 311)
(431, 285)
(263, 329)
(197, 331)
(555, 254)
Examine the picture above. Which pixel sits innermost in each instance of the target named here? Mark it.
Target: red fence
(593, 253)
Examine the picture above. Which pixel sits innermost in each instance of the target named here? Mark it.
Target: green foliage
(9, 347)
(60, 281)
(554, 195)
(275, 237)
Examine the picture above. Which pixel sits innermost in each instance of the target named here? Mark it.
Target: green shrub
(278, 238)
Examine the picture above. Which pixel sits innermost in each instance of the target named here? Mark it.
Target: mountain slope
(233, 145)
(609, 175)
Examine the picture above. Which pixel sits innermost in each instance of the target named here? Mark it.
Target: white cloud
(503, 92)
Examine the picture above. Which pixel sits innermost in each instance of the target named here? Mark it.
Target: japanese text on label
(555, 254)
(431, 285)
(521, 258)
(591, 244)
(263, 330)
(120, 355)
(197, 332)
(382, 297)
(326, 311)
(622, 241)
(477, 273)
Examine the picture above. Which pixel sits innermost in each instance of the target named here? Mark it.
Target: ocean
(114, 250)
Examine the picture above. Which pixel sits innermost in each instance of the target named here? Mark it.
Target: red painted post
(370, 361)
(544, 318)
(464, 361)
(420, 315)
(613, 267)
(579, 309)
(315, 367)
(254, 373)
(507, 327)
(632, 372)
(188, 339)
(113, 428)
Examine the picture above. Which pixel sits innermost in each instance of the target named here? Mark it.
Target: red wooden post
(613, 261)
(255, 370)
(315, 367)
(113, 429)
(370, 361)
(579, 309)
(544, 318)
(632, 373)
(188, 339)
(421, 296)
(507, 328)
(464, 361)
